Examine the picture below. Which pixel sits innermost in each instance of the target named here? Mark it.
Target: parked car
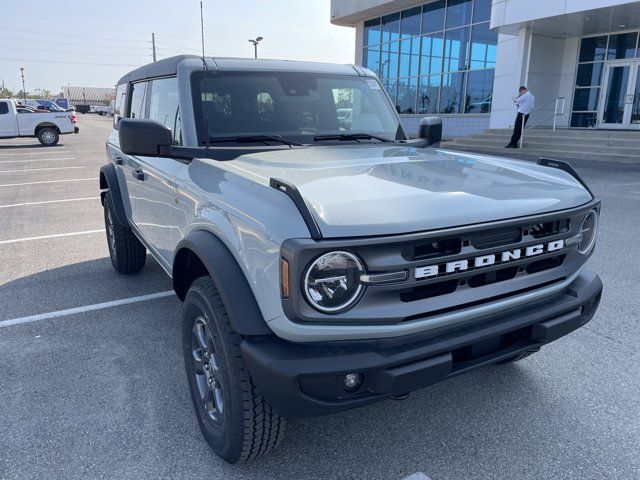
(323, 266)
(46, 126)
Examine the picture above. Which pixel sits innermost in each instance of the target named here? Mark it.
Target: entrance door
(620, 102)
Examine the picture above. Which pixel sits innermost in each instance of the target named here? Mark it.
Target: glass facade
(594, 51)
(436, 58)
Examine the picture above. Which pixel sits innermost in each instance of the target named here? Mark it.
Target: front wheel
(235, 419)
(48, 136)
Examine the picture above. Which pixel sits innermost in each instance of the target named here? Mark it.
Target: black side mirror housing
(430, 130)
(143, 137)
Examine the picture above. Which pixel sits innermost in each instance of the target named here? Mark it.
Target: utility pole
(153, 44)
(24, 91)
(255, 45)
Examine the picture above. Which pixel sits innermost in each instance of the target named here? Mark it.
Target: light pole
(255, 45)
(24, 91)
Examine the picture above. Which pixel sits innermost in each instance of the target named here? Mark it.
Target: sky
(92, 43)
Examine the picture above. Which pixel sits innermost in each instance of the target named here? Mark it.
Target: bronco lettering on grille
(488, 260)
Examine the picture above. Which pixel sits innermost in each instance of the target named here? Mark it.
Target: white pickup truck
(46, 126)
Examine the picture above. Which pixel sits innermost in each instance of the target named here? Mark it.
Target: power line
(48, 42)
(80, 53)
(31, 60)
(160, 42)
(72, 35)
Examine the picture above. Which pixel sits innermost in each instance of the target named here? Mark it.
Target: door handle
(119, 161)
(138, 174)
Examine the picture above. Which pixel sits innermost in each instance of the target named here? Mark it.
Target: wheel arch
(203, 253)
(42, 125)
(109, 182)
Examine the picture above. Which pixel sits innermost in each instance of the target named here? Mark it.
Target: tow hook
(402, 396)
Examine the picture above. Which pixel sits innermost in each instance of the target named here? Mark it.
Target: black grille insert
(497, 238)
(429, 291)
(545, 264)
(495, 276)
(433, 249)
(547, 229)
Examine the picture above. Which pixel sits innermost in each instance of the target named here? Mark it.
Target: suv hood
(361, 190)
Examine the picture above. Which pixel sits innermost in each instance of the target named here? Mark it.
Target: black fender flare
(109, 181)
(212, 254)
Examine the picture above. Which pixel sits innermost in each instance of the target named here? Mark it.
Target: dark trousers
(517, 129)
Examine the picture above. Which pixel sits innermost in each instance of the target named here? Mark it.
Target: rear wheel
(127, 253)
(48, 136)
(235, 419)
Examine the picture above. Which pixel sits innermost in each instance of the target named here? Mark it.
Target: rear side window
(4, 108)
(163, 103)
(138, 108)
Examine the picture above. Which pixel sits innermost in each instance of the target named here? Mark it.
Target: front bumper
(307, 379)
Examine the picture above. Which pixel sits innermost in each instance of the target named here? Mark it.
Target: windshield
(297, 106)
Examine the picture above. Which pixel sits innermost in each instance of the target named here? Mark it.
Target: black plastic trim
(108, 172)
(294, 194)
(244, 313)
(302, 380)
(566, 166)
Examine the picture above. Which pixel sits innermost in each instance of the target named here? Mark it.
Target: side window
(118, 109)
(137, 104)
(163, 104)
(4, 108)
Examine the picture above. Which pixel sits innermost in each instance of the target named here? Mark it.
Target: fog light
(352, 381)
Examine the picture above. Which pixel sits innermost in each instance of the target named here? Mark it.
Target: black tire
(517, 358)
(48, 136)
(235, 419)
(127, 253)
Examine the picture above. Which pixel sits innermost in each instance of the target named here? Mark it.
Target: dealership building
(464, 60)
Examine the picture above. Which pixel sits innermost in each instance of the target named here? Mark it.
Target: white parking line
(49, 201)
(37, 160)
(44, 237)
(31, 153)
(44, 168)
(49, 181)
(84, 309)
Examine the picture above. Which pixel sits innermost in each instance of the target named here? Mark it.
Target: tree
(6, 93)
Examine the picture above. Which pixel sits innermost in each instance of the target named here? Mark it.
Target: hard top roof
(169, 66)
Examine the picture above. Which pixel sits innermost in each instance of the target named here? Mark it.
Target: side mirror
(430, 130)
(143, 137)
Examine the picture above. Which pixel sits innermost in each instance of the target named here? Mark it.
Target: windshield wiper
(351, 136)
(255, 138)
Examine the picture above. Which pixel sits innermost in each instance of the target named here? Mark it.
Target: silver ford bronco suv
(325, 260)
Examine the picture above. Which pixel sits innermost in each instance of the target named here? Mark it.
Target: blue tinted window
(586, 99)
(481, 11)
(584, 120)
(409, 57)
(479, 91)
(451, 93)
(433, 16)
(432, 54)
(428, 93)
(456, 46)
(407, 88)
(372, 31)
(410, 22)
(458, 13)
(593, 49)
(389, 61)
(372, 59)
(622, 46)
(483, 47)
(391, 27)
(589, 74)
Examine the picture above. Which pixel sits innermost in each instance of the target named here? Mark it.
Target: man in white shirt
(525, 104)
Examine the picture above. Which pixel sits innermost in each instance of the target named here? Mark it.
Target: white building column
(512, 66)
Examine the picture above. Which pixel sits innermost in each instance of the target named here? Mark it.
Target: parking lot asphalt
(102, 393)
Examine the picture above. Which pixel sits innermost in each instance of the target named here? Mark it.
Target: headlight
(588, 231)
(332, 281)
